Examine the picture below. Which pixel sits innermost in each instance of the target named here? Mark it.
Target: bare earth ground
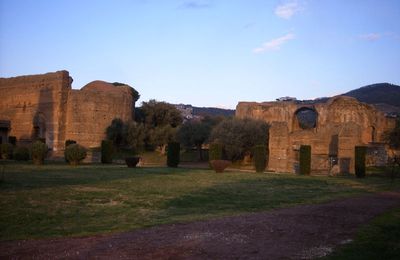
(301, 232)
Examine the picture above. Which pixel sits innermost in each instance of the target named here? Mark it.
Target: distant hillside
(381, 93)
(212, 111)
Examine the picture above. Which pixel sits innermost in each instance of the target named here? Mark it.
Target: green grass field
(59, 200)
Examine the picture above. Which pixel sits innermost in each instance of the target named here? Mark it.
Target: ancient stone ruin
(45, 106)
(332, 129)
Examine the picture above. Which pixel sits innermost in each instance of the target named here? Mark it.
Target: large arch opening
(306, 118)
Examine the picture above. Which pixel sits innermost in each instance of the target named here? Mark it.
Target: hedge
(107, 151)
(360, 154)
(260, 157)
(305, 159)
(173, 154)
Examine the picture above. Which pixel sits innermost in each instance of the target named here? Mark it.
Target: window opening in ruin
(307, 118)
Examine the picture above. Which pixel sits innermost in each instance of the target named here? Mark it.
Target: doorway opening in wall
(306, 118)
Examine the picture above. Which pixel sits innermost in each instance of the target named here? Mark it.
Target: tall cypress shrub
(360, 154)
(173, 154)
(106, 151)
(305, 159)
(215, 151)
(260, 157)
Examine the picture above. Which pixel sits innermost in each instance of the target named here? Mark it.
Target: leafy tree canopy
(239, 136)
(160, 114)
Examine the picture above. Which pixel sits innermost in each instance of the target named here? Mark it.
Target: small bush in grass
(216, 151)
(6, 151)
(260, 157)
(21, 153)
(38, 152)
(173, 154)
(74, 154)
(360, 153)
(305, 159)
(107, 151)
(12, 140)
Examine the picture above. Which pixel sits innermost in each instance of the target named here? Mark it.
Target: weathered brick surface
(45, 106)
(342, 123)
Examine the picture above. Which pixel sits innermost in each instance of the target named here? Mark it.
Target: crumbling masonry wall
(341, 123)
(45, 106)
(36, 106)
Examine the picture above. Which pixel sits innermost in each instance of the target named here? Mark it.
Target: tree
(194, 133)
(161, 114)
(134, 134)
(160, 136)
(115, 132)
(161, 120)
(239, 136)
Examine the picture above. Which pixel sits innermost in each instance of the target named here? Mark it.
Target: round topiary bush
(74, 154)
(6, 151)
(38, 152)
(21, 153)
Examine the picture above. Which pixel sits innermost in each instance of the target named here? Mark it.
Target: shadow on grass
(25, 176)
(256, 195)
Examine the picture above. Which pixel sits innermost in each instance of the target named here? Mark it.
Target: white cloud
(274, 44)
(371, 36)
(287, 10)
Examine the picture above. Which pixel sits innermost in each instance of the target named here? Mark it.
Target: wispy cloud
(287, 10)
(371, 36)
(195, 5)
(274, 44)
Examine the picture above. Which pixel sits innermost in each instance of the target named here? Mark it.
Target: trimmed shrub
(38, 152)
(173, 154)
(6, 151)
(216, 151)
(305, 159)
(21, 153)
(107, 151)
(74, 154)
(360, 154)
(219, 165)
(12, 140)
(68, 142)
(131, 162)
(260, 157)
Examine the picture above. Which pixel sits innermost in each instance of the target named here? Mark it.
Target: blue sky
(206, 52)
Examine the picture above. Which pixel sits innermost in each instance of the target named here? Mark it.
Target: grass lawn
(379, 240)
(59, 200)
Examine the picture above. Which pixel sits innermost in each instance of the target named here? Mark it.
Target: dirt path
(301, 232)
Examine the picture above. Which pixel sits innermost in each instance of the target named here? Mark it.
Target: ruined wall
(91, 110)
(341, 123)
(36, 106)
(45, 106)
